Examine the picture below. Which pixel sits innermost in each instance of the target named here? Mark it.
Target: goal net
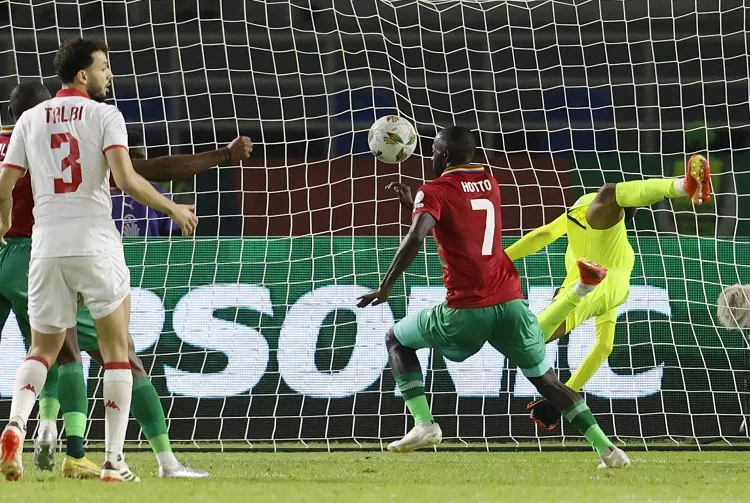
(250, 330)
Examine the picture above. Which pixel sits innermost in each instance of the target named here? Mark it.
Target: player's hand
(239, 150)
(375, 297)
(185, 218)
(544, 413)
(404, 194)
(4, 228)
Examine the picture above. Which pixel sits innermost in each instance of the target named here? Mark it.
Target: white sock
(47, 423)
(167, 459)
(118, 390)
(679, 186)
(30, 378)
(581, 290)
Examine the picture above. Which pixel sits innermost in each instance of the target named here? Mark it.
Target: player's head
(27, 95)
(84, 63)
(453, 146)
(136, 148)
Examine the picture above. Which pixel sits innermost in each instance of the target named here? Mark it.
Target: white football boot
(182, 472)
(45, 449)
(614, 457)
(121, 473)
(425, 434)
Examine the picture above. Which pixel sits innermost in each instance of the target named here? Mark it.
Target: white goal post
(250, 331)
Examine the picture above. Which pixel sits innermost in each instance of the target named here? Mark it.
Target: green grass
(424, 476)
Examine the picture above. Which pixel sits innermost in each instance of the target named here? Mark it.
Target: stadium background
(564, 94)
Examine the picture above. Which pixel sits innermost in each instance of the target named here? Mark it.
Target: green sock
(412, 389)
(580, 416)
(49, 405)
(555, 314)
(147, 410)
(75, 406)
(645, 192)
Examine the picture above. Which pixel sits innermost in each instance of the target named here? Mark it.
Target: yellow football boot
(82, 468)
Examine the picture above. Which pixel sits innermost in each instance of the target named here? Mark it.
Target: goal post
(250, 330)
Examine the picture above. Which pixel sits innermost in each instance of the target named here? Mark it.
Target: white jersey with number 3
(62, 143)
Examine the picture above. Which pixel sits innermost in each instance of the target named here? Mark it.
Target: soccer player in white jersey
(68, 145)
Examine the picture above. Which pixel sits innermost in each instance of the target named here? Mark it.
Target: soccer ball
(392, 139)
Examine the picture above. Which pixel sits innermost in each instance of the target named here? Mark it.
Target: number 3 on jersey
(489, 223)
(71, 161)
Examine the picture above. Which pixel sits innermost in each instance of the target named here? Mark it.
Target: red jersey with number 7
(465, 202)
(61, 142)
(23, 201)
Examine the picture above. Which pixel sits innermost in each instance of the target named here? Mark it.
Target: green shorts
(14, 283)
(457, 334)
(87, 339)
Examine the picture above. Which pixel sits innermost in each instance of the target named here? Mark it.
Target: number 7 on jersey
(489, 223)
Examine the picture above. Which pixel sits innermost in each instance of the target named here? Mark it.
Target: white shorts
(54, 284)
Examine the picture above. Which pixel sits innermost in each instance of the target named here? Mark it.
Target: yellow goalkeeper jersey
(607, 247)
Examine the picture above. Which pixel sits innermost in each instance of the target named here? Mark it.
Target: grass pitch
(423, 476)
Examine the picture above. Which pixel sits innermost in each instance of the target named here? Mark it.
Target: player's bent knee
(391, 341)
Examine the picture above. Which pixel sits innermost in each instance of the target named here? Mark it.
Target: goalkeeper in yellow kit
(596, 231)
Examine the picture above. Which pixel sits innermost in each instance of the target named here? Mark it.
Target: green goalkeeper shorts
(14, 283)
(457, 334)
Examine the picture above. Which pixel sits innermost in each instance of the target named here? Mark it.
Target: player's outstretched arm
(142, 191)
(537, 239)
(175, 167)
(8, 179)
(421, 226)
(404, 194)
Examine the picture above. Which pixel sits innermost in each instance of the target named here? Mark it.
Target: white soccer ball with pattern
(392, 139)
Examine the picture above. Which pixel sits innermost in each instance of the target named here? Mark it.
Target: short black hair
(76, 54)
(135, 138)
(27, 95)
(460, 141)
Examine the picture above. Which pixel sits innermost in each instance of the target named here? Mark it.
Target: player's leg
(552, 319)
(118, 387)
(14, 286)
(74, 401)
(456, 334)
(408, 374)
(48, 321)
(607, 208)
(519, 337)
(30, 377)
(544, 412)
(572, 406)
(45, 443)
(147, 410)
(104, 284)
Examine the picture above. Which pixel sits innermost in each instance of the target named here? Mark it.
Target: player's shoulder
(103, 110)
(35, 113)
